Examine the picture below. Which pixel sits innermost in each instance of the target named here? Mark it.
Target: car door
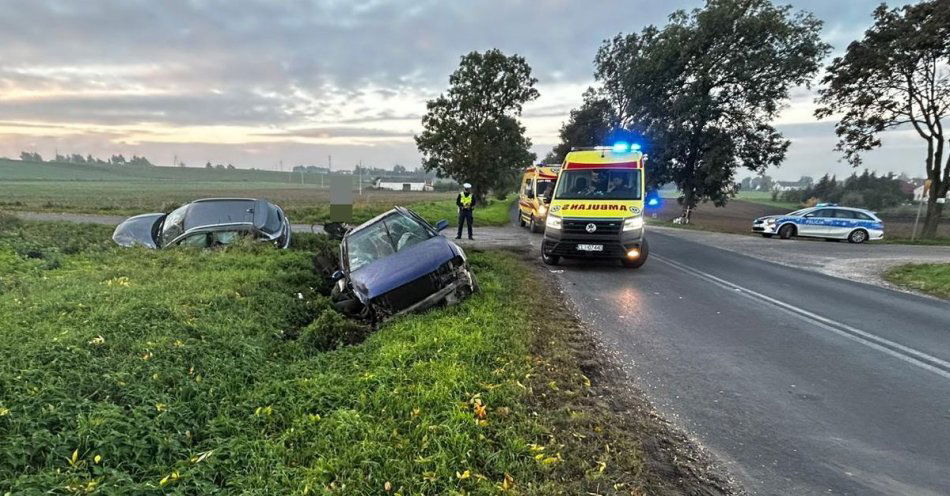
(844, 222)
(813, 223)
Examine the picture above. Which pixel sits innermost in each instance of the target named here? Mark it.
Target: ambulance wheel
(533, 226)
(787, 231)
(521, 221)
(638, 262)
(858, 236)
(550, 259)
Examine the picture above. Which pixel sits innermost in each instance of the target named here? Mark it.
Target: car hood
(402, 267)
(137, 231)
(767, 217)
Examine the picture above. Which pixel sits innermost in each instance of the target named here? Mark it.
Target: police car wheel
(787, 231)
(858, 236)
(550, 259)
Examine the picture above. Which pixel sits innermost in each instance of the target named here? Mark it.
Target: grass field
(199, 372)
(132, 190)
(928, 278)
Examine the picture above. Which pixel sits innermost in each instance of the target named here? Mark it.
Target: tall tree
(896, 76)
(706, 87)
(472, 133)
(588, 125)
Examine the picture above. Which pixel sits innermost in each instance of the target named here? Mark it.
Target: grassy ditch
(200, 372)
(929, 278)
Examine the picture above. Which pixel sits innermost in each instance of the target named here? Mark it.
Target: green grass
(765, 198)
(122, 191)
(929, 278)
(143, 372)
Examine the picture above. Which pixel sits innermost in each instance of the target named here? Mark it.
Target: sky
(271, 84)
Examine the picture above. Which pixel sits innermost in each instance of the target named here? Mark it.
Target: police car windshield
(596, 184)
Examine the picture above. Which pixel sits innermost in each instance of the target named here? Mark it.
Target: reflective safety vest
(466, 200)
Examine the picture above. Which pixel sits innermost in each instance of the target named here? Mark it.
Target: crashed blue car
(397, 263)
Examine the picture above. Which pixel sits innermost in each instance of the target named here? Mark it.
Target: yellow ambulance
(536, 183)
(597, 207)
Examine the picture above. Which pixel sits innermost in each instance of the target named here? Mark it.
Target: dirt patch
(623, 445)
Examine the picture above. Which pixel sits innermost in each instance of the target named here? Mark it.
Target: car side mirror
(336, 276)
(441, 225)
(530, 195)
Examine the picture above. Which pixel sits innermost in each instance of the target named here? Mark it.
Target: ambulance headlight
(553, 222)
(633, 223)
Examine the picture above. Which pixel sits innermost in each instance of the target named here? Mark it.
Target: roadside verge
(200, 372)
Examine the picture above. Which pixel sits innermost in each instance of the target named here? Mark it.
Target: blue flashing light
(652, 202)
(634, 147)
(621, 146)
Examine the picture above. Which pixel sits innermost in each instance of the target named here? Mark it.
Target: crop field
(133, 190)
(146, 372)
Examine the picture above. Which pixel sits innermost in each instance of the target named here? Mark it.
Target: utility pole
(361, 178)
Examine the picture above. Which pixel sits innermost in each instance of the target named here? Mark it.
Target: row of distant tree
(78, 159)
(867, 190)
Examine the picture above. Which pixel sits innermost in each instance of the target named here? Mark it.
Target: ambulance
(596, 210)
(537, 183)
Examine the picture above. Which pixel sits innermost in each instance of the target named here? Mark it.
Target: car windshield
(543, 186)
(392, 233)
(599, 184)
(274, 221)
(174, 224)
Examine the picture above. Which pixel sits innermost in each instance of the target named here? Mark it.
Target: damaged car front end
(398, 263)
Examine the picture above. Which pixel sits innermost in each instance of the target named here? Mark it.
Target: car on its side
(207, 223)
(397, 263)
(827, 221)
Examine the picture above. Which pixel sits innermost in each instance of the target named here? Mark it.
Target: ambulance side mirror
(546, 199)
(530, 195)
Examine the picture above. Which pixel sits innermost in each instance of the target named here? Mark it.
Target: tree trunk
(932, 220)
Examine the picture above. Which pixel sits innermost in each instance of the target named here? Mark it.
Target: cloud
(299, 72)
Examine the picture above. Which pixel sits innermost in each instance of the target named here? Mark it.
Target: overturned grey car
(207, 223)
(397, 263)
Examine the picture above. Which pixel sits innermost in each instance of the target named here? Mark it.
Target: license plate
(590, 247)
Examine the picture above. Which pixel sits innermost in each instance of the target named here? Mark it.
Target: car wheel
(638, 262)
(766, 235)
(786, 231)
(550, 259)
(858, 236)
(533, 225)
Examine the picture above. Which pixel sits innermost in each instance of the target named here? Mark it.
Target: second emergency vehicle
(537, 184)
(597, 207)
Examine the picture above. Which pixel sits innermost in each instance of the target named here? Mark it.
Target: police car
(827, 221)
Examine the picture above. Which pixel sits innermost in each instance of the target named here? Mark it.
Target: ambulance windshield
(596, 184)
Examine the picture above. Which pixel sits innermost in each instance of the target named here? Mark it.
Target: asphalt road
(802, 383)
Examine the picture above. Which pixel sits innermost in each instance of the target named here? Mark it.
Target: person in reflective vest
(466, 202)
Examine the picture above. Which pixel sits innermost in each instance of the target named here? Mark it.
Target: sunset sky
(254, 83)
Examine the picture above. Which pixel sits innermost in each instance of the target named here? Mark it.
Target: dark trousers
(465, 215)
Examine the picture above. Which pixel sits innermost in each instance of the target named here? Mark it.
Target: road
(803, 383)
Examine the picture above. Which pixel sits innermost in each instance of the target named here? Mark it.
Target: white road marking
(896, 350)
